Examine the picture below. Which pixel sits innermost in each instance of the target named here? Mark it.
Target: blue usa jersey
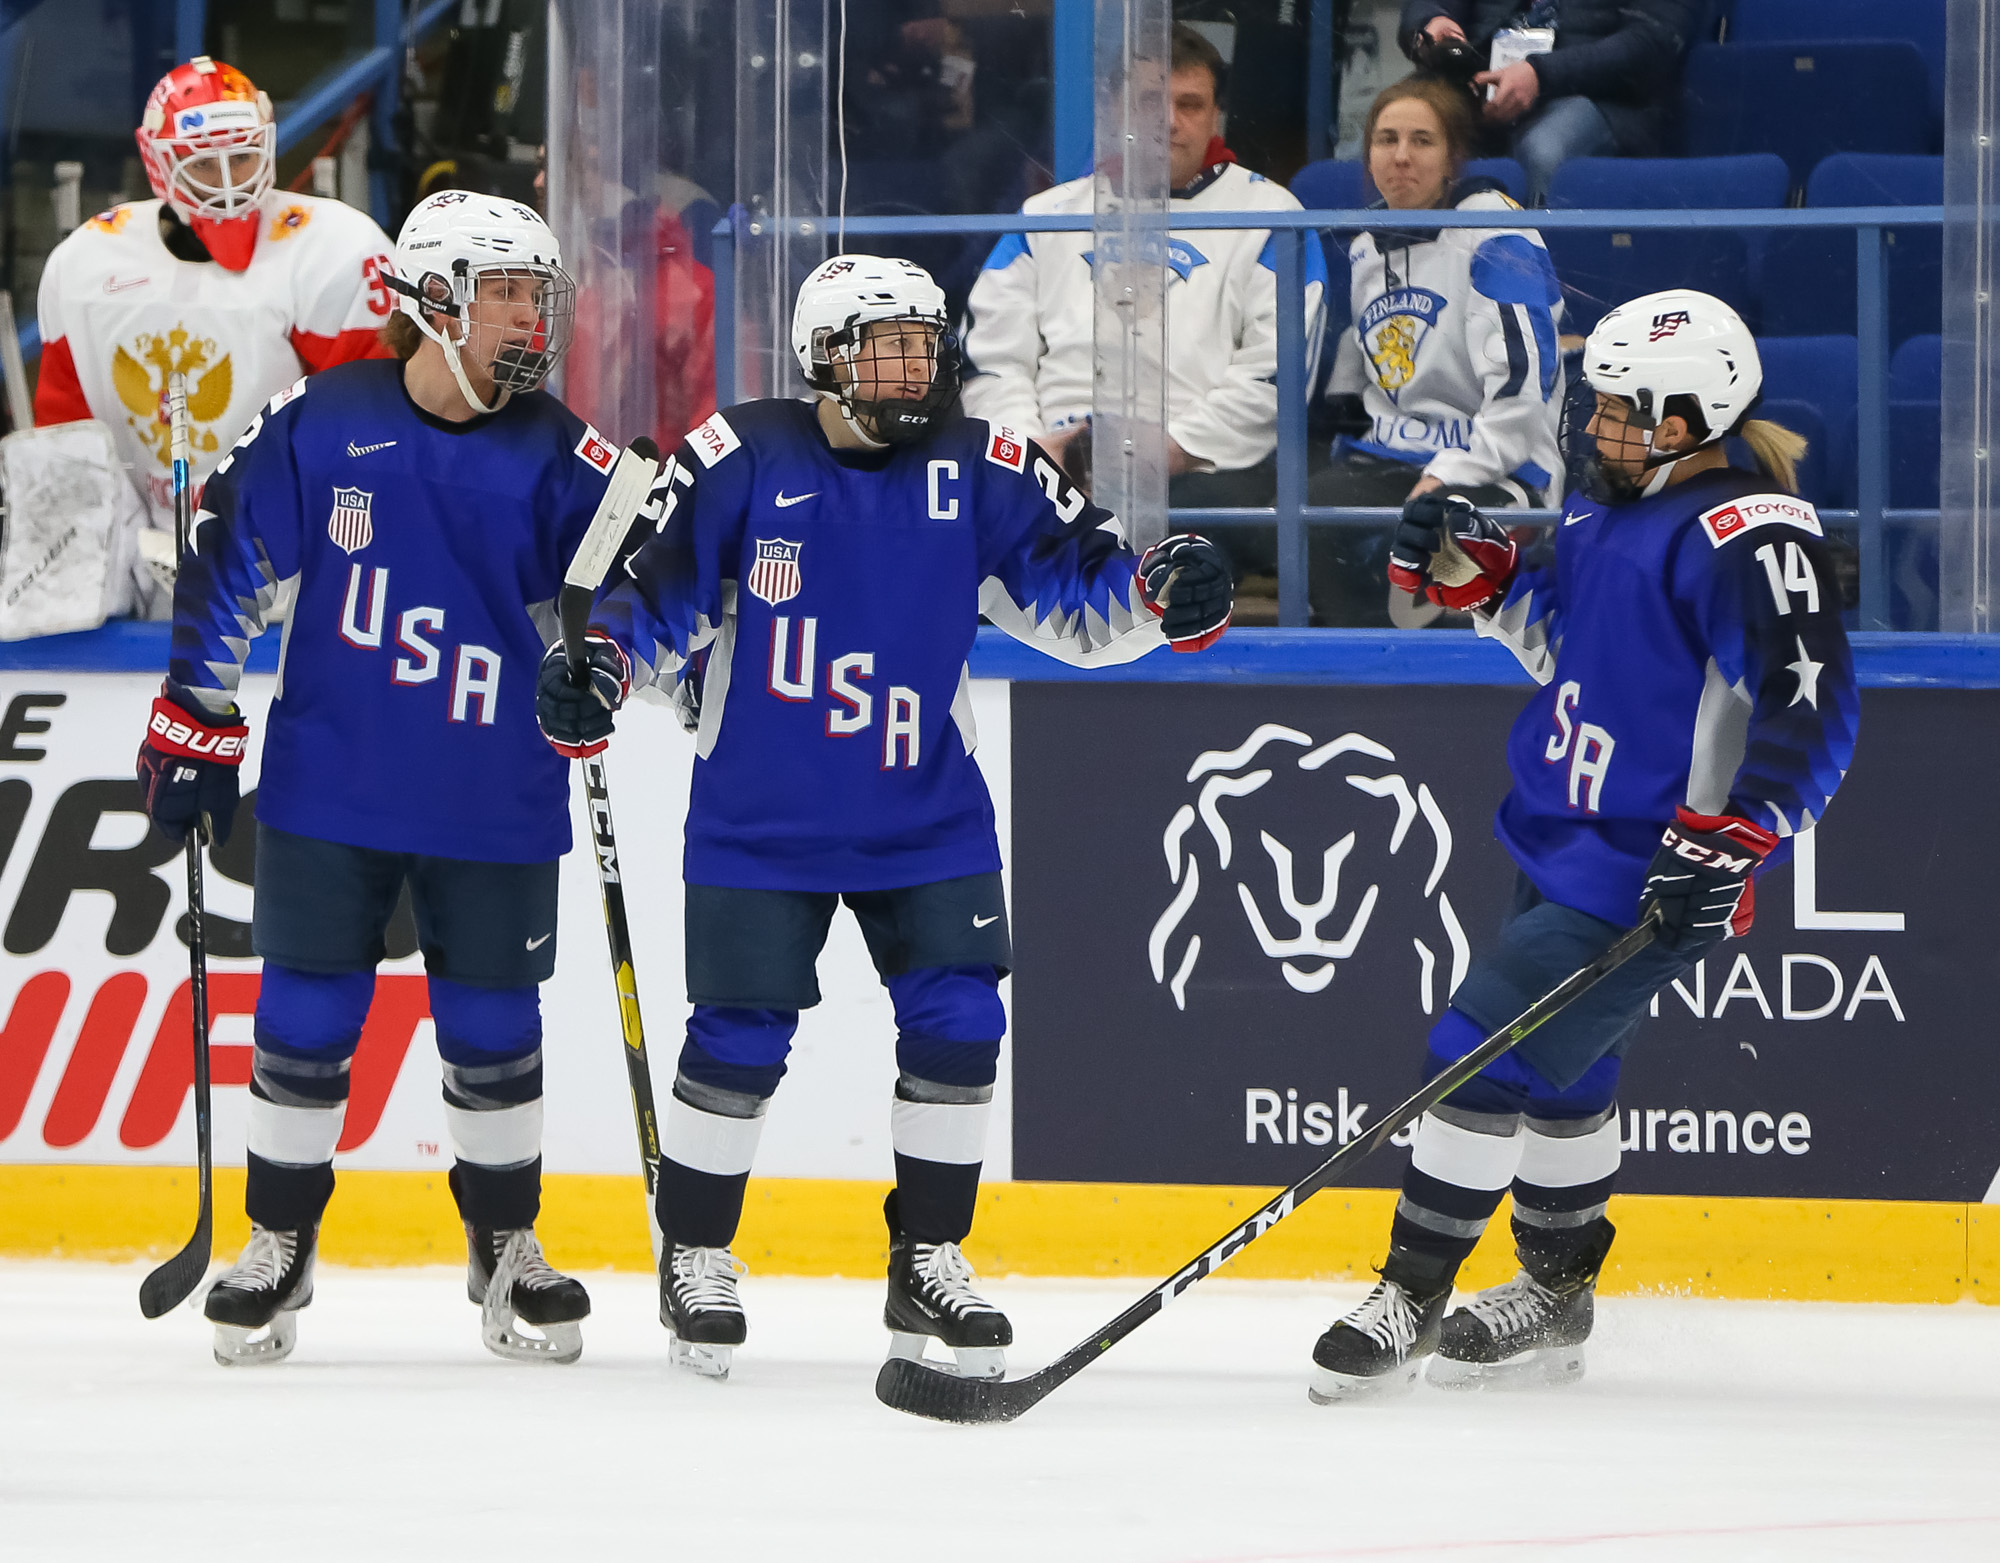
(1690, 652)
(811, 613)
(420, 560)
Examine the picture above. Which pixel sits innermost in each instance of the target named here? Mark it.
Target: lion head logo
(1328, 929)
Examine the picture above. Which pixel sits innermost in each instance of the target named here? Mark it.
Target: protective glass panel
(1968, 569)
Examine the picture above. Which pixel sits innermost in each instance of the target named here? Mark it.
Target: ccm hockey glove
(1451, 552)
(1186, 580)
(1700, 879)
(187, 767)
(577, 722)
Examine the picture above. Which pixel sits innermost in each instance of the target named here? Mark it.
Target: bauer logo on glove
(1186, 581)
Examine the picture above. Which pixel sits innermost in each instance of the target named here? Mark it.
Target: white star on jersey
(1807, 671)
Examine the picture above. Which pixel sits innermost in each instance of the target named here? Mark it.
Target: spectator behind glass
(1451, 376)
(1603, 90)
(1029, 328)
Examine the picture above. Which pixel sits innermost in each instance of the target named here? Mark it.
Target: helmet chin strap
(465, 385)
(853, 424)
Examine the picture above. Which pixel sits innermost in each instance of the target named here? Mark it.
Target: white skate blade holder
(1535, 1369)
(971, 1361)
(1329, 1388)
(701, 1358)
(507, 1337)
(236, 1347)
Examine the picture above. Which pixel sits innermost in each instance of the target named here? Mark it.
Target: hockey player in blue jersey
(1698, 707)
(809, 603)
(417, 516)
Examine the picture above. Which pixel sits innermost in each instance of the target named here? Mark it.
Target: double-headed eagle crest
(141, 379)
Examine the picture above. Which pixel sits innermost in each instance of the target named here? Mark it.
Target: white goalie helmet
(836, 302)
(451, 242)
(1677, 343)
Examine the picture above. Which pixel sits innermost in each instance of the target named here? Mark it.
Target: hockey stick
(169, 1285)
(930, 1392)
(630, 481)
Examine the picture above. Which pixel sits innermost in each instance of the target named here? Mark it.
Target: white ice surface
(1705, 1430)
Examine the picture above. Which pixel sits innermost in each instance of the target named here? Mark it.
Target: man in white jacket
(1028, 337)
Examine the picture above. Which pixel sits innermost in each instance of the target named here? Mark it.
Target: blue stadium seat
(1916, 372)
(1819, 376)
(1602, 268)
(1916, 446)
(1821, 473)
(1332, 184)
(1510, 175)
(1920, 22)
(1804, 101)
(1807, 282)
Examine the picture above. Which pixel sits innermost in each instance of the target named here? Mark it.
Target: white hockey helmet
(836, 302)
(1677, 343)
(452, 240)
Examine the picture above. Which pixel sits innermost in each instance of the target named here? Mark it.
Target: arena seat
(1919, 22)
(1916, 372)
(1819, 374)
(1333, 184)
(1805, 101)
(1821, 473)
(1806, 279)
(1510, 175)
(1916, 446)
(1601, 268)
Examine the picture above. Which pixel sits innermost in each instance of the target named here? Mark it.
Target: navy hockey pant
(1541, 1120)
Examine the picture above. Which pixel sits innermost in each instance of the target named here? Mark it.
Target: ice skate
(514, 1285)
(255, 1306)
(1518, 1334)
(931, 1298)
(700, 1308)
(1379, 1348)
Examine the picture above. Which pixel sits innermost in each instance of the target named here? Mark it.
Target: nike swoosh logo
(785, 503)
(981, 922)
(369, 450)
(115, 285)
(533, 944)
(1569, 520)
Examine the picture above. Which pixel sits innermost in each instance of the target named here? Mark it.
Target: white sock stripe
(953, 1132)
(709, 1142)
(1460, 1156)
(1562, 1163)
(294, 1136)
(505, 1137)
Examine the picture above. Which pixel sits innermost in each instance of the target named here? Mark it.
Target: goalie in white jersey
(222, 278)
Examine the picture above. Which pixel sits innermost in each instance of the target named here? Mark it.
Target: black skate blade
(171, 1284)
(921, 1390)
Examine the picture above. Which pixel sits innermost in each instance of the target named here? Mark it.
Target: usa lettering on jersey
(475, 670)
(1754, 510)
(794, 678)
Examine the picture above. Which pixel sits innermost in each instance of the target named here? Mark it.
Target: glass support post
(1872, 453)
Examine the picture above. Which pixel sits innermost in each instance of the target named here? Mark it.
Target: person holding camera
(1449, 379)
(1557, 79)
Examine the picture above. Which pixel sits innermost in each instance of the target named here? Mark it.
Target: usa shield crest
(774, 575)
(349, 526)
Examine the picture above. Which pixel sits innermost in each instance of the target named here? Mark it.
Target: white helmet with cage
(452, 242)
(1676, 353)
(836, 303)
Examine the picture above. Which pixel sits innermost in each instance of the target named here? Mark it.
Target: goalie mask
(871, 336)
(482, 276)
(210, 147)
(1674, 354)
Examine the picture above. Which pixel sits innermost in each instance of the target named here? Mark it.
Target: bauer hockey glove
(1451, 552)
(1186, 580)
(187, 767)
(1700, 879)
(577, 722)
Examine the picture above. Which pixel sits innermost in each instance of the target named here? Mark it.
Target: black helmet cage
(897, 421)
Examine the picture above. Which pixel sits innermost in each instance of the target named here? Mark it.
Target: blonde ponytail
(1777, 449)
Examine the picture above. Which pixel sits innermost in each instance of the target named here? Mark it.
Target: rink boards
(1236, 901)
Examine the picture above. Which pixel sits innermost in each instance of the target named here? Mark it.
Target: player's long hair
(400, 335)
(1778, 450)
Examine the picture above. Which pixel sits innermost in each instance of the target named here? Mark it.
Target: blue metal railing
(1291, 514)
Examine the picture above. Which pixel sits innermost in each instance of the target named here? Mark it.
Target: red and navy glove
(1700, 879)
(188, 765)
(1451, 552)
(577, 721)
(1186, 580)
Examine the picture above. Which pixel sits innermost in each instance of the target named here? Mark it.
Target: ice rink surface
(1708, 1430)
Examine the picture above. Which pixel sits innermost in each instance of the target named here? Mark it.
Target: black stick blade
(168, 1287)
(917, 1390)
